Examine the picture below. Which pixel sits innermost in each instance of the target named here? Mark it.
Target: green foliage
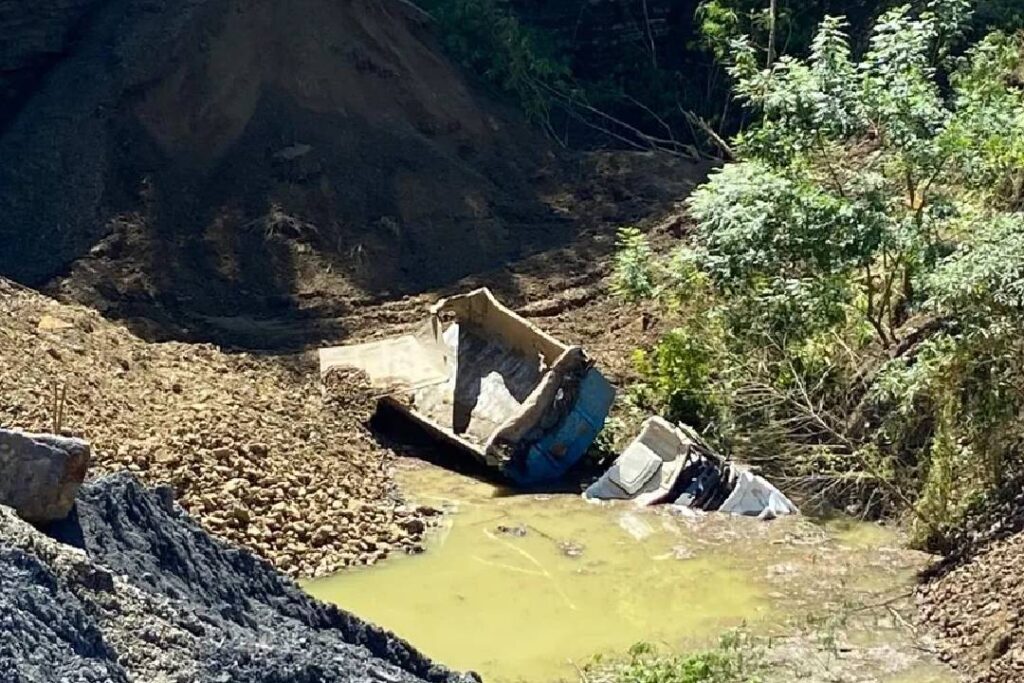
(633, 278)
(678, 370)
(1006, 15)
(864, 262)
(721, 21)
(485, 37)
(735, 660)
(648, 87)
(779, 246)
(982, 282)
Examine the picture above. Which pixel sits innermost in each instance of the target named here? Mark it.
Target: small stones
(974, 609)
(241, 515)
(322, 536)
(414, 526)
(517, 531)
(253, 446)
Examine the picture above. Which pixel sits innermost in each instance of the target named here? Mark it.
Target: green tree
(864, 265)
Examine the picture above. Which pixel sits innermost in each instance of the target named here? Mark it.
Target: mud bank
(129, 588)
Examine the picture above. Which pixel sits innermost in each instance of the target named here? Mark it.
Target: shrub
(864, 267)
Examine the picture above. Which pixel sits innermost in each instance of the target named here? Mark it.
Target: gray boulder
(40, 473)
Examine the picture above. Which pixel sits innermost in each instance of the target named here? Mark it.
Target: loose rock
(41, 473)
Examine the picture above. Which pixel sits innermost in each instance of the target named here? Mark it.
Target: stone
(414, 526)
(49, 323)
(322, 536)
(41, 473)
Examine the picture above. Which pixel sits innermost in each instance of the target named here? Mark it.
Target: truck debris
(671, 464)
(488, 382)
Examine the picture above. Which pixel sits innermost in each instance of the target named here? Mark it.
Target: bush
(735, 660)
(488, 39)
(864, 267)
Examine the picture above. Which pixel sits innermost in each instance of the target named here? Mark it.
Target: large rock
(40, 473)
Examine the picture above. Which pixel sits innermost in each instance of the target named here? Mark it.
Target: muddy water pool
(529, 587)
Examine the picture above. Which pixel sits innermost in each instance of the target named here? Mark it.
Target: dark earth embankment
(207, 156)
(129, 588)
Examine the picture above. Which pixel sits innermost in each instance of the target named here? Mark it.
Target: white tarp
(754, 496)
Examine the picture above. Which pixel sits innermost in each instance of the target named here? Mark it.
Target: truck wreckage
(488, 383)
(485, 381)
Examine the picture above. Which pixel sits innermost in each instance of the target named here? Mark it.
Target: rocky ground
(974, 601)
(129, 589)
(250, 444)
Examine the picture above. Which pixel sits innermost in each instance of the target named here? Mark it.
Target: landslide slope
(129, 589)
(251, 444)
(973, 602)
(203, 159)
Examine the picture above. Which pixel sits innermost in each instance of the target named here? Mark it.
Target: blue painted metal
(552, 456)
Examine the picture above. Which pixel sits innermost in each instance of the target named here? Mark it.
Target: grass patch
(736, 659)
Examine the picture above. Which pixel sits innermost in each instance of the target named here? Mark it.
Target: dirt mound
(250, 444)
(975, 609)
(972, 601)
(212, 157)
(128, 588)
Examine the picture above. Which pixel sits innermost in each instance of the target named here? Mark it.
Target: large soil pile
(129, 589)
(212, 158)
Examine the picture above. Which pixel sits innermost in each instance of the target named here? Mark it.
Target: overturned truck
(671, 464)
(489, 383)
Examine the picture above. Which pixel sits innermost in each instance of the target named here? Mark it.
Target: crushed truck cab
(486, 381)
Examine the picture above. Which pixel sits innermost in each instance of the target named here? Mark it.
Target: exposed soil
(208, 125)
(256, 173)
(974, 601)
(254, 446)
(326, 297)
(129, 589)
(250, 444)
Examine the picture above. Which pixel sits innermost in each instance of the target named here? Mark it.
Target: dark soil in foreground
(129, 588)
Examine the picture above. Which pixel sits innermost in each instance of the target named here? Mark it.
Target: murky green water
(520, 588)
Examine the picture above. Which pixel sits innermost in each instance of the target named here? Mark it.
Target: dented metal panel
(488, 382)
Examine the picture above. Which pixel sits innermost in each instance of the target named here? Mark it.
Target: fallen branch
(706, 128)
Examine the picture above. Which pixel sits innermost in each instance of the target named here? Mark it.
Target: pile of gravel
(130, 589)
(972, 601)
(255, 451)
(974, 609)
